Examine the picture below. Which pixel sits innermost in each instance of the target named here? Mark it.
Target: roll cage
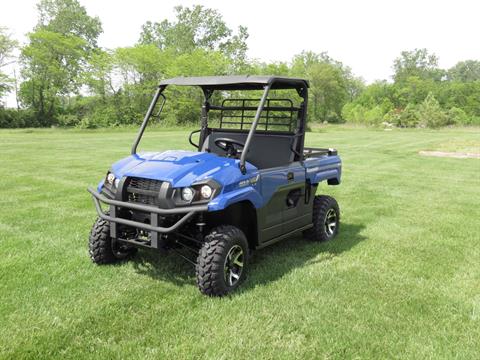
(210, 84)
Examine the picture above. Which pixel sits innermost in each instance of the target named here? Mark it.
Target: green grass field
(402, 279)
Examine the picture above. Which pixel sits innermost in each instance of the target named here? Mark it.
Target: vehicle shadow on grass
(266, 265)
(272, 263)
(165, 266)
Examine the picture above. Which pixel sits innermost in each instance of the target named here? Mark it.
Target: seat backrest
(266, 150)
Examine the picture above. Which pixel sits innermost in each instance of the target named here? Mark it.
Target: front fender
(225, 200)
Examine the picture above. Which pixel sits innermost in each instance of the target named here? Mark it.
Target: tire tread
(321, 204)
(209, 267)
(99, 244)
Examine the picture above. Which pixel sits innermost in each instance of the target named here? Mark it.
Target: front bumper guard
(188, 212)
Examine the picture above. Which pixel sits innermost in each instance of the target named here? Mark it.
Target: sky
(366, 35)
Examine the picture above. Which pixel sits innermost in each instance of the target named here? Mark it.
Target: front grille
(143, 191)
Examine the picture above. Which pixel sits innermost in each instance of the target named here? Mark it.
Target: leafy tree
(142, 64)
(329, 80)
(196, 28)
(464, 95)
(235, 48)
(465, 71)
(272, 68)
(140, 69)
(379, 92)
(7, 45)
(183, 101)
(412, 90)
(416, 63)
(194, 44)
(355, 86)
(328, 91)
(52, 67)
(55, 60)
(99, 75)
(68, 17)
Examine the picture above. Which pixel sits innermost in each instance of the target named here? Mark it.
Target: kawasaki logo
(251, 181)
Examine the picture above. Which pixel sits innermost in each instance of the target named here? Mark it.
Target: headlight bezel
(197, 198)
(109, 185)
(111, 180)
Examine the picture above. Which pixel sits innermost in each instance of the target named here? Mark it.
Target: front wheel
(102, 248)
(326, 219)
(222, 261)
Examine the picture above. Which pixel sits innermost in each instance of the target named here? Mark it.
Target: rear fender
(324, 168)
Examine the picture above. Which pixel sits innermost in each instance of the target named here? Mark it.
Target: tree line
(66, 79)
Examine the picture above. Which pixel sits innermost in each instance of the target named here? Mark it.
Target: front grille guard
(188, 212)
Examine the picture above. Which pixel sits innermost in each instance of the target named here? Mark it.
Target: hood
(180, 168)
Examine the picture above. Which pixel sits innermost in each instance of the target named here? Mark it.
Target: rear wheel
(222, 261)
(326, 219)
(102, 249)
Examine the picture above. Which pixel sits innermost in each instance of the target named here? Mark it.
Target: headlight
(197, 193)
(187, 194)
(110, 178)
(206, 191)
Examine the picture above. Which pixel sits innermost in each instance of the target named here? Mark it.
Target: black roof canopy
(238, 82)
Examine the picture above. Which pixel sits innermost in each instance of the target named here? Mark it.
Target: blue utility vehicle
(249, 183)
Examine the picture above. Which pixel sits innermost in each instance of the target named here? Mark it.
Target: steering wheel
(228, 145)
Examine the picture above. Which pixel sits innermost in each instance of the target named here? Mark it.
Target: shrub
(409, 116)
(374, 116)
(475, 120)
(430, 114)
(360, 114)
(392, 117)
(68, 120)
(402, 118)
(333, 118)
(107, 115)
(354, 113)
(87, 123)
(13, 118)
(457, 116)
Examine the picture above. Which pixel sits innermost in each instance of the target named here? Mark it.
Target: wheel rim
(233, 267)
(330, 222)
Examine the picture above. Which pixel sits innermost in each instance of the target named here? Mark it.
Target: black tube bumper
(187, 212)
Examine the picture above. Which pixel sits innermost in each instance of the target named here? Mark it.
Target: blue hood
(181, 168)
